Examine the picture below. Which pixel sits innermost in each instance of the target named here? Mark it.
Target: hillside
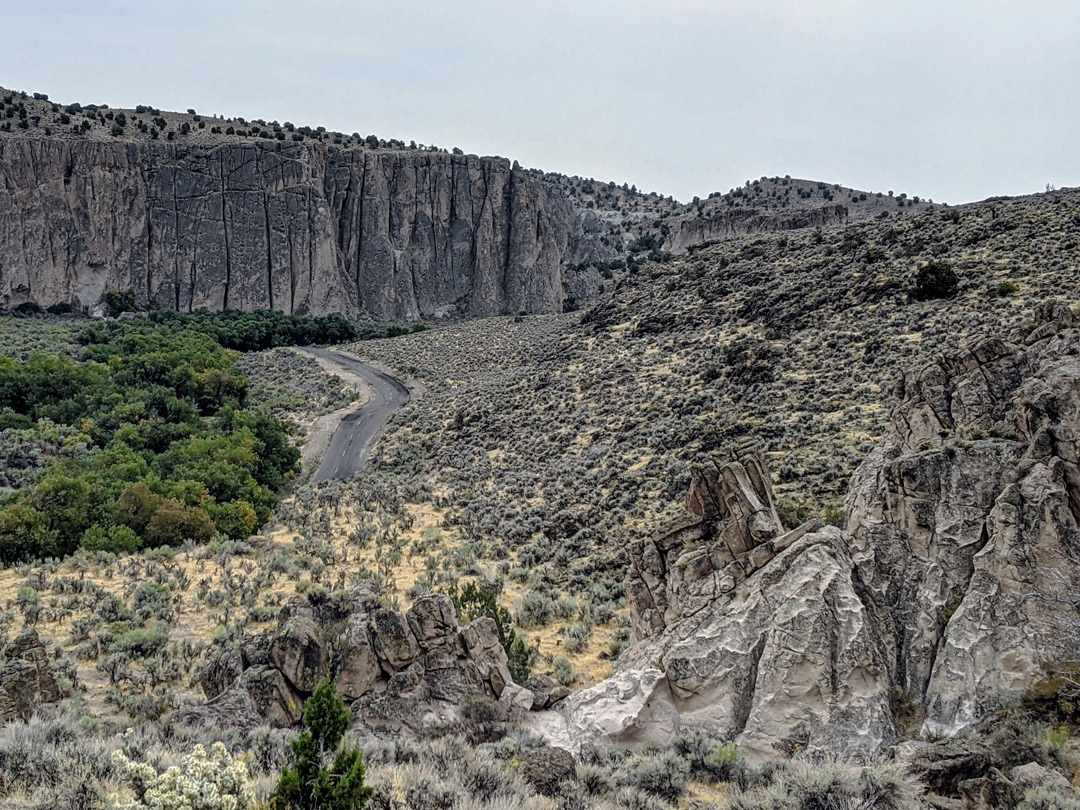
(774, 204)
(793, 340)
(229, 213)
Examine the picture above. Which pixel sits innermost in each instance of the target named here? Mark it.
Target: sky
(951, 100)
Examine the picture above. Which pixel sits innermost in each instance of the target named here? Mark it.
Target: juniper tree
(307, 784)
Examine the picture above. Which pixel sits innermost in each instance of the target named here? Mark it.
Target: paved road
(349, 447)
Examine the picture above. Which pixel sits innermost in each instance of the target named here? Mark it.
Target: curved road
(349, 446)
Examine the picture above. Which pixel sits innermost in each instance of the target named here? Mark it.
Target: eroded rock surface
(730, 530)
(954, 578)
(965, 521)
(401, 671)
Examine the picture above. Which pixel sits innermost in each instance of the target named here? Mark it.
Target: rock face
(954, 579)
(759, 633)
(729, 531)
(690, 233)
(401, 671)
(965, 521)
(305, 229)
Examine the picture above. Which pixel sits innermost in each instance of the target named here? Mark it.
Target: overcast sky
(955, 100)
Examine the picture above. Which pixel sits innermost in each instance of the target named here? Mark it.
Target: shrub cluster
(171, 454)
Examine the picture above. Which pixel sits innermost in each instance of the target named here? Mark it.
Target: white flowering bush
(202, 782)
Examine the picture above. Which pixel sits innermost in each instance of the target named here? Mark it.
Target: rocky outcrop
(306, 229)
(729, 531)
(26, 679)
(689, 233)
(954, 580)
(759, 633)
(787, 660)
(964, 523)
(401, 671)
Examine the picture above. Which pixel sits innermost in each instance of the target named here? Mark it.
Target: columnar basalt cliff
(302, 228)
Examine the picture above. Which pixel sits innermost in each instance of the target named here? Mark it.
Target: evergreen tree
(473, 602)
(307, 784)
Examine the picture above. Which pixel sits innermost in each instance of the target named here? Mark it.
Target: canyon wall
(305, 229)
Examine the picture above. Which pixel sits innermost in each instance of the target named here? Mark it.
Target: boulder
(481, 637)
(395, 643)
(274, 698)
(541, 687)
(482, 645)
(299, 651)
(256, 650)
(631, 706)
(232, 708)
(791, 662)
(1032, 774)
(990, 792)
(433, 620)
(359, 665)
(220, 671)
(449, 677)
(516, 700)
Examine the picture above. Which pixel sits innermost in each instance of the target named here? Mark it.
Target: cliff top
(25, 114)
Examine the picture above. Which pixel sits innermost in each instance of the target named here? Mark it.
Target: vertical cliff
(304, 228)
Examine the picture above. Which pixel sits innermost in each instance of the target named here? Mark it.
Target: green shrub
(1055, 698)
(142, 642)
(564, 672)
(114, 539)
(1006, 288)
(152, 601)
(536, 610)
(475, 601)
(937, 279)
(661, 775)
(118, 301)
(1049, 797)
(306, 784)
(725, 763)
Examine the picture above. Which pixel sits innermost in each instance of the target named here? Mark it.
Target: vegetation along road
(348, 449)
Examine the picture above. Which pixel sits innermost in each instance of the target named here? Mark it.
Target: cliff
(306, 228)
(771, 205)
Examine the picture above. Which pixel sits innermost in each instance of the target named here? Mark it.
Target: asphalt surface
(348, 449)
